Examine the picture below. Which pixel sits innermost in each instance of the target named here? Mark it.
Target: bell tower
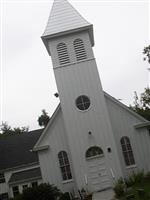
(68, 38)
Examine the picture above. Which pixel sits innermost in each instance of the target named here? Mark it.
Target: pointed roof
(65, 19)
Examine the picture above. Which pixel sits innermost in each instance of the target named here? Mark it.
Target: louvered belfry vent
(79, 50)
(63, 53)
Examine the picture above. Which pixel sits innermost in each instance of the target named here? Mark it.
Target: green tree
(141, 104)
(43, 119)
(42, 192)
(6, 129)
(21, 129)
(146, 53)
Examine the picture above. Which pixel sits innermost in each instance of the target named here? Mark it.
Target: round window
(83, 102)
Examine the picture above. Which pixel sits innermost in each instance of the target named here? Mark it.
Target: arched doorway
(98, 178)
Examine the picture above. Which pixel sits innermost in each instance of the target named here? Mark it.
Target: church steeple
(69, 39)
(65, 19)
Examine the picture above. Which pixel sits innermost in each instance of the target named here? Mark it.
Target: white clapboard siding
(123, 123)
(55, 137)
(73, 80)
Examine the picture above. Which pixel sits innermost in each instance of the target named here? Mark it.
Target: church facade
(92, 139)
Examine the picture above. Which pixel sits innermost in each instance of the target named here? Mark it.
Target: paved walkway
(104, 195)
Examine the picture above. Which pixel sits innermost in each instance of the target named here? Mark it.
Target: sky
(121, 31)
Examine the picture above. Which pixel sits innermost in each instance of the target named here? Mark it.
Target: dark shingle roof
(26, 175)
(15, 149)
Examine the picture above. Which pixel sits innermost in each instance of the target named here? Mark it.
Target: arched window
(64, 165)
(63, 53)
(127, 151)
(79, 49)
(94, 151)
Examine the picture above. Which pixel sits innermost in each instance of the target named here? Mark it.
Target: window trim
(79, 49)
(62, 53)
(67, 181)
(34, 182)
(64, 166)
(77, 106)
(129, 158)
(95, 156)
(131, 166)
(15, 190)
(24, 187)
(2, 178)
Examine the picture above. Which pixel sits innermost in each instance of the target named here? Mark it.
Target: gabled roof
(125, 107)
(26, 175)
(64, 19)
(143, 123)
(15, 150)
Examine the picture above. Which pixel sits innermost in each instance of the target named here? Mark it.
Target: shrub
(139, 177)
(135, 179)
(147, 177)
(18, 197)
(65, 196)
(42, 192)
(130, 181)
(119, 188)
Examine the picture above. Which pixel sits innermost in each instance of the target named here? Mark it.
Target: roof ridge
(4, 135)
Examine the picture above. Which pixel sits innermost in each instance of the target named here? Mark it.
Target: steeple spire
(65, 19)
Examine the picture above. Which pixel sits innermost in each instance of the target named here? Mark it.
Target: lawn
(137, 192)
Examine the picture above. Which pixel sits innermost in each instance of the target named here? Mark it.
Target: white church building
(92, 139)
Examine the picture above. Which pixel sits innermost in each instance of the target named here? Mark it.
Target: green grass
(133, 190)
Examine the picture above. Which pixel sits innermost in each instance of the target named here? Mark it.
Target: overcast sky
(121, 31)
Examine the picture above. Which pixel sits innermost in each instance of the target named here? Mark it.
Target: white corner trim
(131, 166)
(40, 148)
(142, 125)
(73, 63)
(67, 181)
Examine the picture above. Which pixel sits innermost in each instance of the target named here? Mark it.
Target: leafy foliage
(147, 177)
(6, 129)
(65, 196)
(43, 119)
(146, 52)
(135, 179)
(142, 104)
(136, 186)
(42, 192)
(119, 188)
